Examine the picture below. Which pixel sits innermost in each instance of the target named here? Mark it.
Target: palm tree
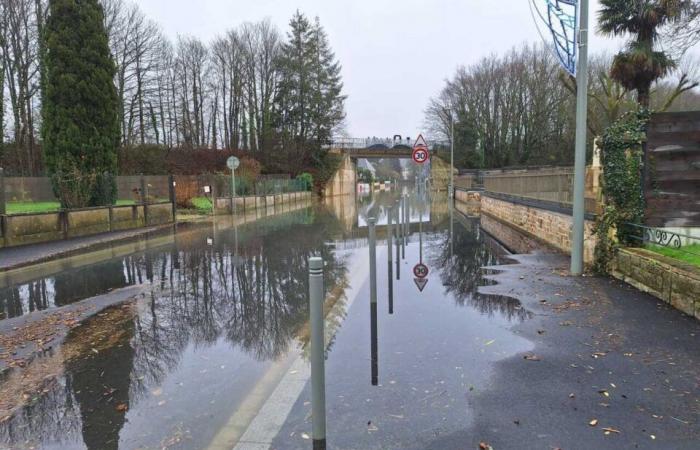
(639, 65)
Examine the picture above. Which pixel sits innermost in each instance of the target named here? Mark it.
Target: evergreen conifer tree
(80, 128)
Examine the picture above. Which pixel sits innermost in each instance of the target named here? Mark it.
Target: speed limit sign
(421, 154)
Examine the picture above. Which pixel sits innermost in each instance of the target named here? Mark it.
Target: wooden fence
(672, 178)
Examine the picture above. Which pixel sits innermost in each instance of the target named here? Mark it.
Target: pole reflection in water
(389, 247)
(398, 237)
(373, 300)
(404, 227)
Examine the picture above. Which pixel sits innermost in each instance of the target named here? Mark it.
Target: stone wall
(670, 280)
(22, 229)
(248, 203)
(512, 239)
(550, 227)
(344, 181)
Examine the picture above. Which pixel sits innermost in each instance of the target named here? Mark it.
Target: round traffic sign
(421, 270)
(421, 155)
(233, 163)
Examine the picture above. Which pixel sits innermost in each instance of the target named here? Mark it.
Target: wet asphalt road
(595, 365)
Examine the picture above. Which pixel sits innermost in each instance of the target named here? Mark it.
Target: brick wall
(669, 280)
(550, 227)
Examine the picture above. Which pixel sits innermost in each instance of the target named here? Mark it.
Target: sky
(396, 54)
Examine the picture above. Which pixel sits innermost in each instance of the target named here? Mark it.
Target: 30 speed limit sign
(420, 155)
(421, 270)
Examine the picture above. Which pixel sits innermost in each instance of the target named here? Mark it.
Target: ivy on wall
(622, 150)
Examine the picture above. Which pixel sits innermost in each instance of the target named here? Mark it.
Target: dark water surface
(221, 305)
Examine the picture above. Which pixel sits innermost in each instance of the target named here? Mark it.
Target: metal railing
(369, 142)
(555, 185)
(679, 240)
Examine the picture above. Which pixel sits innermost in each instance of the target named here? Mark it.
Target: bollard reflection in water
(373, 298)
(390, 271)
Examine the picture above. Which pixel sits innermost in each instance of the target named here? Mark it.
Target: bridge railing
(368, 143)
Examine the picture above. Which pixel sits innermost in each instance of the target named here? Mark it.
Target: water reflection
(460, 259)
(248, 289)
(232, 294)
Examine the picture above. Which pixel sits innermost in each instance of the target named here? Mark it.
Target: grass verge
(689, 253)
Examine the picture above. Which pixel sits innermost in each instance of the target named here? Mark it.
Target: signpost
(421, 154)
(233, 163)
(421, 270)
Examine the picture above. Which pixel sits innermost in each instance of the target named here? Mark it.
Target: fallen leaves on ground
(484, 446)
(531, 357)
(593, 422)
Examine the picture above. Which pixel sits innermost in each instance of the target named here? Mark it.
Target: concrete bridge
(344, 181)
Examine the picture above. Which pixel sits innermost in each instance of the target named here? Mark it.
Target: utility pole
(581, 134)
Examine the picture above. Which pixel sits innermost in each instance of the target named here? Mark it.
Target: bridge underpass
(344, 181)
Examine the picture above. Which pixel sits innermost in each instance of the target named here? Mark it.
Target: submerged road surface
(212, 354)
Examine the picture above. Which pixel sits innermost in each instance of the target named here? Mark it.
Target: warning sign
(421, 282)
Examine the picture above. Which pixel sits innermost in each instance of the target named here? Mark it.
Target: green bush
(306, 180)
(622, 154)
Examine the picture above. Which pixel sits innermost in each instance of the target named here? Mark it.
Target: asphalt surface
(592, 364)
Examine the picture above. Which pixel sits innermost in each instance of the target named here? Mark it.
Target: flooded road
(223, 306)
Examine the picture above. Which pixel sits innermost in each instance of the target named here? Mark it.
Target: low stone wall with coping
(544, 221)
(32, 228)
(247, 203)
(668, 279)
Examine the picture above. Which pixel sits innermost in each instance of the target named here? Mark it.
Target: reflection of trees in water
(254, 297)
(461, 274)
(75, 285)
(52, 417)
(65, 288)
(11, 299)
(83, 401)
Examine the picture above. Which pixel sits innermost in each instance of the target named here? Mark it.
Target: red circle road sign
(421, 271)
(421, 155)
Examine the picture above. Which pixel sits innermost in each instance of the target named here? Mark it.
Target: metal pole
(373, 259)
(233, 190)
(373, 298)
(2, 191)
(581, 134)
(390, 254)
(403, 227)
(172, 194)
(396, 240)
(452, 158)
(317, 347)
(406, 225)
(452, 229)
(420, 236)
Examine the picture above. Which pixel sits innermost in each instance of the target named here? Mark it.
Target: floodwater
(224, 305)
